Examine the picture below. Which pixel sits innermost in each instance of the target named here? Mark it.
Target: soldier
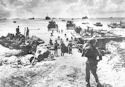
(92, 32)
(27, 32)
(56, 48)
(91, 52)
(50, 42)
(17, 30)
(62, 46)
(70, 47)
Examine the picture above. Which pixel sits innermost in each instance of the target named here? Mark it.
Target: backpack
(90, 52)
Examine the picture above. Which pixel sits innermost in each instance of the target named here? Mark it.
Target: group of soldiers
(89, 50)
(26, 31)
(59, 44)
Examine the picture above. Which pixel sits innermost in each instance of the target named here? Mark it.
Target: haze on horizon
(61, 8)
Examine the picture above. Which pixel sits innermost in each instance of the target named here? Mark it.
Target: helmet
(92, 41)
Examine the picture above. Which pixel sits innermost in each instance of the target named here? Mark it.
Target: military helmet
(92, 41)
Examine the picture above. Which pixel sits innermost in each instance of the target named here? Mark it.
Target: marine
(91, 52)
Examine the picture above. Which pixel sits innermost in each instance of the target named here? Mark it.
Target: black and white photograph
(62, 43)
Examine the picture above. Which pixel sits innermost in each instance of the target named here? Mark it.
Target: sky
(61, 8)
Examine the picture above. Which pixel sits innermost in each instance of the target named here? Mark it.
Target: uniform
(91, 52)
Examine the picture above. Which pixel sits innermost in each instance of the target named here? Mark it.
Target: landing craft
(70, 25)
(85, 17)
(47, 18)
(117, 25)
(78, 30)
(52, 26)
(113, 25)
(98, 24)
(63, 20)
(122, 24)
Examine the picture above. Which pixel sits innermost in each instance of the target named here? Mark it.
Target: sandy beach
(67, 71)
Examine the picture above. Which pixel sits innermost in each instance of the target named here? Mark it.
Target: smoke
(61, 8)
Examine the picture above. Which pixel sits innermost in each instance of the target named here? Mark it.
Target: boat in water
(70, 25)
(14, 21)
(117, 25)
(47, 18)
(98, 24)
(52, 26)
(85, 17)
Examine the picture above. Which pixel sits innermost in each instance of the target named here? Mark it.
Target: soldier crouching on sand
(91, 52)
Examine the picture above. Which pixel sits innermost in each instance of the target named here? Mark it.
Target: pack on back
(90, 52)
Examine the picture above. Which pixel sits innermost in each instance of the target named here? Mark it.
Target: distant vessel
(31, 18)
(52, 26)
(85, 23)
(85, 17)
(98, 24)
(70, 25)
(63, 20)
(14, 21)
(47, 18)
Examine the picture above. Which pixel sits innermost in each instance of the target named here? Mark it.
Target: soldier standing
(17, 31)
(91, 52)
(56, 48)
(27, 32)
(70, 47)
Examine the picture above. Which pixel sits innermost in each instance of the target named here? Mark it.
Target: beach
(66, 71)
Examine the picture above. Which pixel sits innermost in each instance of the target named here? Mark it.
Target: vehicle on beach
(52, 26)
(63, 20)
(122, 24)
(70, 25)
(78, 29)
(113, 25)
(98, 24)
(85, 17)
